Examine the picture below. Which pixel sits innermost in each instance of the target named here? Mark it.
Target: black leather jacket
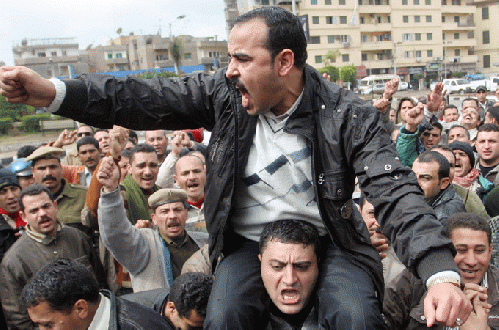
(348, 140)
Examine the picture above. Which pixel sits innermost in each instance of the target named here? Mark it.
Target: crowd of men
(257, 229)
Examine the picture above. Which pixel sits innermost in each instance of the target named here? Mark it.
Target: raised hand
(108, 174)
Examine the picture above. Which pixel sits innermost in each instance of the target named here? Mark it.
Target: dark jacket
(447, 203)
(126, 315)
(7, 236)
(153, 299)
(403, 307)
(347, 137)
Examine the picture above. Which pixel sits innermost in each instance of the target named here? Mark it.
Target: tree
(119, 31)
(331, 57)
(14, 111)
(348, 73)
(153, 74)
(176, 49)
(332, 71)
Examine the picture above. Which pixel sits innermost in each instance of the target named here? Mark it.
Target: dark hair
(133, 135)
(437, 125)
(494, 112)
(131, 139)
(285, 31)
(460, 126)
(292, 232)
(190, 291)
(402, 100)
(126, 153)
(141, 147)
(449, 106)
(87, 140)
(468, 221)
(470, 99)
(444, 148)
(91, 128)
(430, 156)
(101, 130)
(61, 284)
(25, 151)
(33, 190)
(488, 128)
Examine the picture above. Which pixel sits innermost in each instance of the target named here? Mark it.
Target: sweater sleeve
(127, 244)
(407, 146)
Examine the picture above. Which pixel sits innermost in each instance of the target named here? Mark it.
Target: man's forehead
(425, 168)
(45, 162)
(169, 206)
(468, 236)
(154, 134)
(143, 157)
(245, 35)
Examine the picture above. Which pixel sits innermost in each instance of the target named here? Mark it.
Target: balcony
(46, 60)
(378, 27)
(449, 9)
(371, 9)
(452, 26)
(122, 60)
(161, 47)
(376, 45)
(385, 64)
(164, 63)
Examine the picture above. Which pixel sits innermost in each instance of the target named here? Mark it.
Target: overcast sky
(96, 21)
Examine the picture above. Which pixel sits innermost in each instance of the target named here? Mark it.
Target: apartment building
(50, 57)
(430, 37)
(487, 35)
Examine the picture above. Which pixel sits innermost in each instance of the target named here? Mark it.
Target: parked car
(374, 89)
(403, 86)
(460, 86)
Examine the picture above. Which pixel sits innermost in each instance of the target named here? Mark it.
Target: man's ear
(444, 183)
(169, 309)
(81, 309)
(153, 218)
(260, 257)
(284, 62)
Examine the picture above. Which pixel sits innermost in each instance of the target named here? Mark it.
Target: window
(404, 2)
(429, 53)
(417, 36)
(486, 61)
(327, 2)
(345, 57)
(443, 19)
(119, 55)
(444, 2)
(331, 20)
(315, 19)
(429, 36)
(187, 56)
(456, 2)
(109, 55)
(313, 2)
(363, 38)
(427, 2)
(485, 12)
(53, 53)
(457, 52)
(330, 39)
(415, 2)
(417, 53)
(318, 59)
(364, 57)
(64, 53)
(486, 37)
(343, 38)
(315, 40)
(456, 19)
(341, 2)
(471, 51)
(407, 37)
(343, 20)
(407, 54)
(405, 19)
(417, 19)
(388, 19)
(471, 34)
(456, 35)
(265, 2)
(428, 19)
(42, 54)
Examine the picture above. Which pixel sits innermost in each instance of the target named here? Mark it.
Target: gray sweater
(140, 251)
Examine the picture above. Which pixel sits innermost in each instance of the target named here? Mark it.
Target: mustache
(49, 177)
(238, 84)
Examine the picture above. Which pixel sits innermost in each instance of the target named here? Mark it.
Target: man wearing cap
(71, 157)
(466, 175)
(70, 198)
(153, 256)
(22, 170)
(483, 104)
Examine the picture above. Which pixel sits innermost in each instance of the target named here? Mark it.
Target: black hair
(33, 190)
(402, 100)
(470, 99)
(460, 126)
(437, 125)
(467, 220)
(133, 135)
(445, 148)
(87, 140)
(101, 130)
(494, 112)
(488, 128)
(190, 291)
(292, 232)
(61, 284)
(285, 31)
(91, 128)
(141, 147)
(25, 151)
(449, 106)
(430, 156)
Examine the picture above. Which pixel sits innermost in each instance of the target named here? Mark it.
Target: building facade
(487, 35)
(51, 57)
